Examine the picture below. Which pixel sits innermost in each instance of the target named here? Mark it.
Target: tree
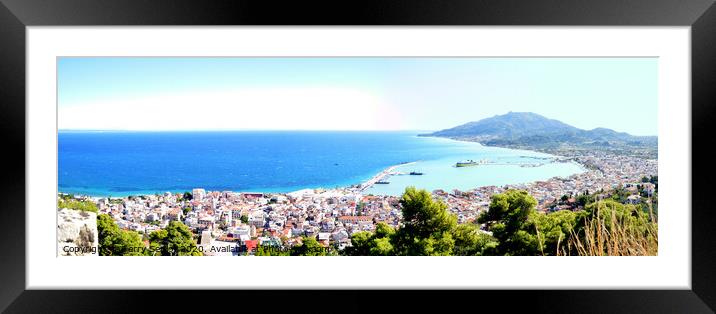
(77, 205)
(263, 250)
(608, 209)
(244, 219)
(365, 243)
(309, 247)
(552, 231)
(620, 195)
(381, 247)
(506, 218)
(360, 207)
(469, 240)
(116, 242)
(187, 196)
(427, 225)
(602, 228)
(175, 240)
(584, 199)
(383, 230)
(360, 244)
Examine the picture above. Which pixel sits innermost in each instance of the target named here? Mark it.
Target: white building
(198, 194)
(633, 199)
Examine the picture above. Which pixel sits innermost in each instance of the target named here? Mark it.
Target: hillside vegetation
(528, 130)
(512, 227)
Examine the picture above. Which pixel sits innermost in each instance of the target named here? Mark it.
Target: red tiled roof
(251, 244)
(354, 218)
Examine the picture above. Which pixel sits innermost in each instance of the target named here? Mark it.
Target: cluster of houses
(234, 223)
(244, 221)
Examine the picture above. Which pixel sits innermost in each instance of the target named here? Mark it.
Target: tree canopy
(309, 247)
(77, 205)
(513, 227)
(521, 230)
(174, 240)
(427, 228)
(469, 240)
(116, 242)
(507, 218)
(366, 243)
(264, 250)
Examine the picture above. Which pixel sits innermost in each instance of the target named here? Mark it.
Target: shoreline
(367, 184)
(386, 173)
(336, 213)
(358, 187)
(361, 187)
(547, 151)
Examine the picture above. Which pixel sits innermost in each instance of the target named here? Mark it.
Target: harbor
(383, 176)
(484, 162)
(442, 174)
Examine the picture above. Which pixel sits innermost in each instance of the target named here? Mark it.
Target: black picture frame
(16, 15)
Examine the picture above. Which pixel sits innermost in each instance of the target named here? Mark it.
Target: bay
(120, 163)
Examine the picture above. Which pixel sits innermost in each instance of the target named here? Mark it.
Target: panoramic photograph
(357, 156)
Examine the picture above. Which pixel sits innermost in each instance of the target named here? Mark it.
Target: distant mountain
(533, 131)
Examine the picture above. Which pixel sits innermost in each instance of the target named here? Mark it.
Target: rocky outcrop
(76, 233)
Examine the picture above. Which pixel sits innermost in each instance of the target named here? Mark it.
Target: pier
(383, 176)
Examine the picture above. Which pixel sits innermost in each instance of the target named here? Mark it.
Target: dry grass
(607, 234)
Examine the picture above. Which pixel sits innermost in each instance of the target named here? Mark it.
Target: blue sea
(109, 163)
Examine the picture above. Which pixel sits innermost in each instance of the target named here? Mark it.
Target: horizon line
(241, 130)
(286, 130)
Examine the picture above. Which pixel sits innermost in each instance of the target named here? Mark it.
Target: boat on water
(531, 165)
(469, 163)
(382, 182)
(415, 173)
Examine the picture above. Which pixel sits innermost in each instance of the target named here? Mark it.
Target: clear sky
(352, 93)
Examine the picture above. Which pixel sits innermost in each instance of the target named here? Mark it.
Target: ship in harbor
(416, 173)
(382, 182)
(469, 163)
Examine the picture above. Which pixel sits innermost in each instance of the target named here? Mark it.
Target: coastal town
(237, 223)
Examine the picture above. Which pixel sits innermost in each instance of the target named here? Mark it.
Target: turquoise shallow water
(130, 163)
(441, 173)
(503, 167)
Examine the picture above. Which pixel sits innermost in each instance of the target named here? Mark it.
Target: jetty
(382, 177)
